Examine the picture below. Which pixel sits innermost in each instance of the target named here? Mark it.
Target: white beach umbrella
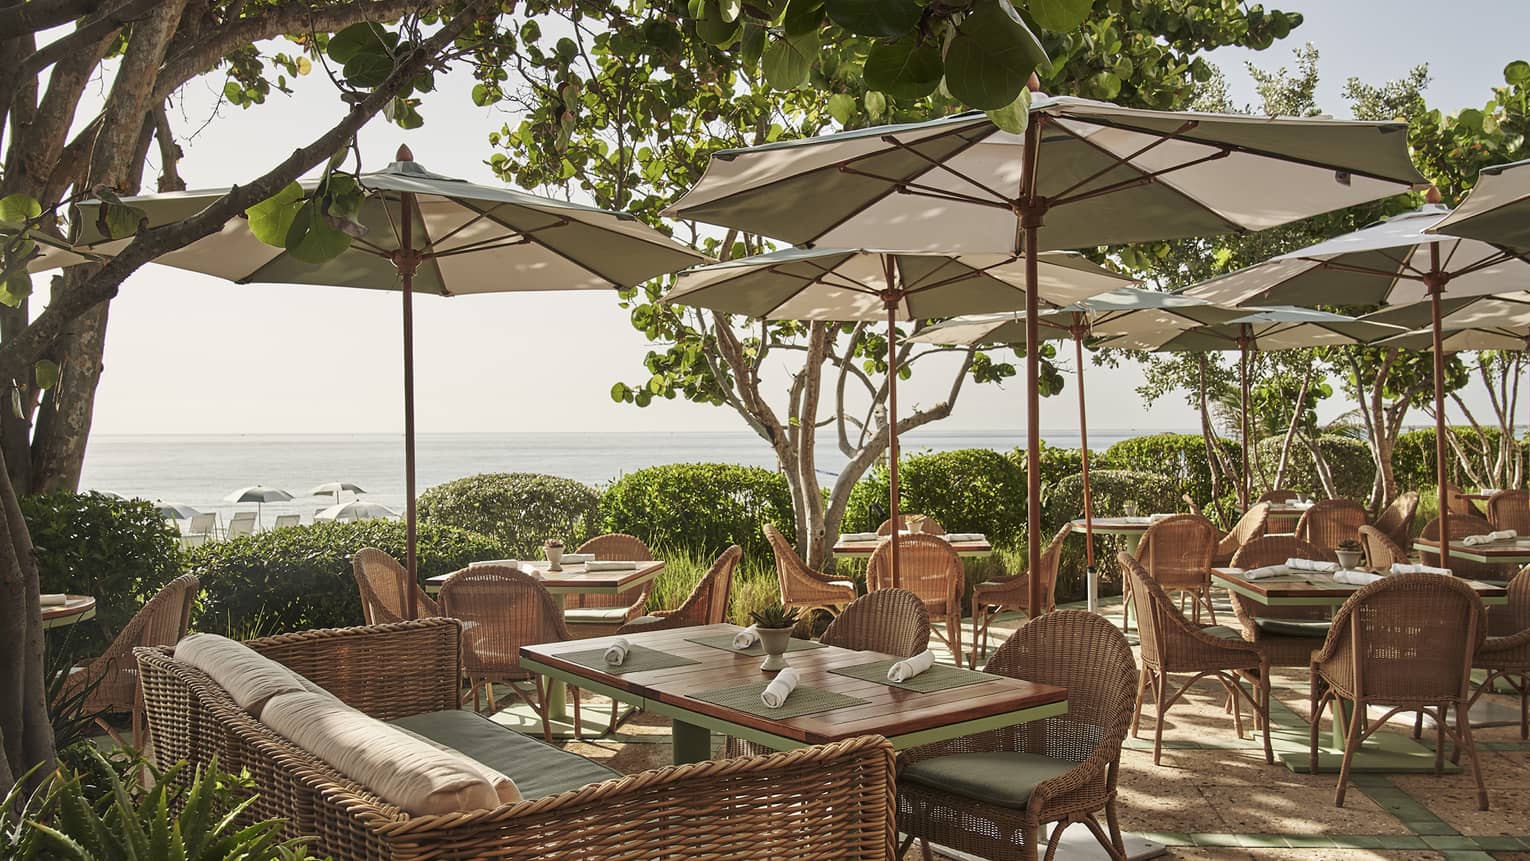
(357, 509)
(1497, 209)
(258, 494)
(175, 510)
(335, 488)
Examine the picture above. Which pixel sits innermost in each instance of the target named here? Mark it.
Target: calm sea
(201, 470)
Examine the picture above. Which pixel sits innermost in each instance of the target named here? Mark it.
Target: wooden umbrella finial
(403, 153)
(1433, 194)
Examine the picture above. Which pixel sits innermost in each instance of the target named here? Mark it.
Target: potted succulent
(774, 624)
(1349, 553)
(553, 547)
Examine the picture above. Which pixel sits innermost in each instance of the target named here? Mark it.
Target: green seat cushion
(595, 615)
(538, 769)
(1317, 629)
(1004, 778)
(1224, 632)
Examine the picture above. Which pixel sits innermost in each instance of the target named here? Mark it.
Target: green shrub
(967, 490)
(704, 507)
(1413, 456)
(519, 509)
(1055, 462)
(118, 550)
(1349, 463)
(754, 582)
(300, 578)
(1178, 456)
(1111, 490)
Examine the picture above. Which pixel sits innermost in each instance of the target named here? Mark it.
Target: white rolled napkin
(775, 694)
(49, 599)
(1154, 518)
(1355, 578)
(508, 563)
(1312, 565)
(609, 565)
(1266, 571)
(1405, 568)
(966, 536)
(616, 653)
(853, 537)
(746, 638)
(577, 558)
(1475, 540)
(907, 668)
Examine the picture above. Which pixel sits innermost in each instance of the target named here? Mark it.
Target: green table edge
(66, 621)
(1325, 601)
(1473, 555)
(435, 588)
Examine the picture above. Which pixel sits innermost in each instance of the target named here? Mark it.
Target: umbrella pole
(1434, 282)
(1031, 211)
(407, 261)
(1248, 478)
(890, 298)
(1083, 441)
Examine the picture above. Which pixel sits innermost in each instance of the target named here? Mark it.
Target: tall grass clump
(754, 582)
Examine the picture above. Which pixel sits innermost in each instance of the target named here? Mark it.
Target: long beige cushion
(402, 769)
(249, 677)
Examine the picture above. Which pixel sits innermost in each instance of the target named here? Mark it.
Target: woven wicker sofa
(833, 801)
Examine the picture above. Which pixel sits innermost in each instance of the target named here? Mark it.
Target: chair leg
(1126, 604)
(1439, 742)
(1055, 839)
(924, 850)
(1113, 822)
(1315, 716)
(908, 840)
(1524, 707)
(1467, 743)
(1205, 595)
(1351, 742)
(954, 631)
(1142, 682)
(1105, 841)
(573, 694)
(543, 711)
(1159, 681)
(616, 710)
(1263, 718)
(1418, 725)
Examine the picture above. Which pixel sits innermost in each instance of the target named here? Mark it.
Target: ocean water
(201, 470)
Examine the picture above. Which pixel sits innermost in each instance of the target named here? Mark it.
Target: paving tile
(1343, 855)
(1500, 843)
(1298, 810)
(1449, 841)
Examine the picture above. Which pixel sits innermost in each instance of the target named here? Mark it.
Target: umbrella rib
(478, 216)
(1143, 178)
(1360, 270)
(482, 245)
(1490, 260)
(922, 190)
(1120, 161)
(533, 240)
(945, 166)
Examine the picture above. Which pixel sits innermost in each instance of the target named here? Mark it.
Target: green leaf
(842, 107)
(1015, 116)
(905, 69)
(359, 39)
(19, 208)
(715, 28)
(730, 9)
(803, 16)
(887, 19)
(1517, 73)
(368, 70)
(753, 46)
(271, 219)
(789, 61)
(16, 288)
(991, 56)
(46, 373)
(1059, 16)
(1103, 85)
(876, 104)
(620, 392)
(311, 239)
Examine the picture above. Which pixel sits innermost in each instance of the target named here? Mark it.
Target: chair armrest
(1498, 645)
(388, 671)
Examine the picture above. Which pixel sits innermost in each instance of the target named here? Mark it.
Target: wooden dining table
(969, 549)
(907, 718)
(76, 608)
(1515, 551)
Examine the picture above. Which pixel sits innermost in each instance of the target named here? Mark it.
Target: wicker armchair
(801, 586)
(1462, 525)
(1510, 509)
(1397, 520)
(384, 585)
(1279, 494)
(929, 568)
(112, 678)
(991, 597)
(1177, 553)
(991, 793)
(928, 525)
(1331, 521)
(1508, 657)
(1171, 643)
(1250, 526)
(706, 605)
(595, 615)
(1288, 635)
(501, 610)
(1381, 552)
(1458, 504)
(1405, 643)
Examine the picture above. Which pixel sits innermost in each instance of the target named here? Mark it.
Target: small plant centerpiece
(553, 547)
(774, 625)
(1349, 553)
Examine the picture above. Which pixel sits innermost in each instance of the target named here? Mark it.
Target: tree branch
(95, 30)
(34, 16)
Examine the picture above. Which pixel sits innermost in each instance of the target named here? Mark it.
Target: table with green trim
(968, 549)
(1390, 752)
(907, 718)
(1131, 530)
(76, 608)
(1515, 551)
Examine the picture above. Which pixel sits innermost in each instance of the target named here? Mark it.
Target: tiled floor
(1215, 798)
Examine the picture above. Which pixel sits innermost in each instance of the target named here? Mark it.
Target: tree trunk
(25, 731)
(63, 423)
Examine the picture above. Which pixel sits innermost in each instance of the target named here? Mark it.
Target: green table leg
(1343, 712)
(1133, 541)
(691, 743)
(557, 692)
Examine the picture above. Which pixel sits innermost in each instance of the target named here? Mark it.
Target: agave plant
(775, 616)
(1349, 545)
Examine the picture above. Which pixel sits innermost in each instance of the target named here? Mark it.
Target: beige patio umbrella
(1497, 209)
(434, 234)
(849, 285)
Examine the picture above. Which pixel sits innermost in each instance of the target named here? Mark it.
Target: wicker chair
(1462, 525)
(1279, 494)
(1250, 526)
(1457, 503)
(1171, 643)
(594, 615)
(111, 679)
(1061, 770)
(1508, 657)
(1177, 553)
(991, 597)
(1331, 521)
(1381, 552)
(930, 568)
(1405, 643)
(1397, 520)
(1288, 635)
(384, 584)
(501, 610)
(801, 586)
(706, 605)
(1510, 509)
(928, 525)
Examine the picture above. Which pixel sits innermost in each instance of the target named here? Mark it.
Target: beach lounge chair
(242, 523)
(285, 520)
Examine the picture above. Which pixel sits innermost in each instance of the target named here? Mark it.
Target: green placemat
(803, 701)
(725, 642)
(639, 659)
(937, 678)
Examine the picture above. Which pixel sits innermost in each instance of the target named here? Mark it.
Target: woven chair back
(1177, 551)
(890, 621)
(1279, 494)
(501, 610)
(384, 584)
(927, 566)
(1397, 520)
(1051, 564)
(1381, 552)
(1409, 638)
(928, 525)
(1457, 503)
(1276, 549)
(1331, 521)
(708, 602)
(161, 621)
(1089, 656)
(1142, 588)
(1462, 525)
(1510, 509)
(1519, 599)
(1250, 526)
(612, 547)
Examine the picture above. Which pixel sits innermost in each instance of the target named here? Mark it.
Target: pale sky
(191, 354)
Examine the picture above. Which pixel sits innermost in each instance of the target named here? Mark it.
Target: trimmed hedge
(299, 578)
(519, 509)
(1349, 462)
(1111, 489)
(1413, 456)
(704, 507)
(967, 490)
(118, 550)
(1178, 456)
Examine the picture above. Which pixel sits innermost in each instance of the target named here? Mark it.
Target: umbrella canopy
(1091, 172)
(1468, 323)
(429, 232)
(357, 509)
(175, 510)
(1497, 209)
(258, 493)
(1396, 262)
(335, 488)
